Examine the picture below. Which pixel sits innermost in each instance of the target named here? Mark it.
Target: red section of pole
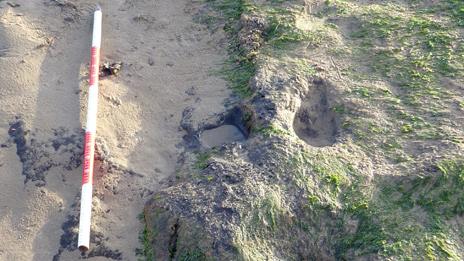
(89, 154)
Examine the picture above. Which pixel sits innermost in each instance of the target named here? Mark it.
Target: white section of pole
(85, 217)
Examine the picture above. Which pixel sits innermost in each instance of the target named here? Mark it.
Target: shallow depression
(221, 135)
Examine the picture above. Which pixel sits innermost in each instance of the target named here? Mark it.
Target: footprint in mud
(315, 122)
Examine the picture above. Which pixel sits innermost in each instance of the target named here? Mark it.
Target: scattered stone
(151, 62)
(64, 3)
(14, 5)
(47, 43)
(115, 101)
(69, 19)
(143, 19)
(191, 91)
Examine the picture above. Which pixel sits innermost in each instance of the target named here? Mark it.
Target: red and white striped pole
(90, 131)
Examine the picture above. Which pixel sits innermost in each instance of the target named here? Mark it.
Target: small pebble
(14, 5)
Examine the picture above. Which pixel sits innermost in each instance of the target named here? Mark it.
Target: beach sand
(168, 65)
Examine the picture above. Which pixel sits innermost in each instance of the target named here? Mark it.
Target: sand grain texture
(168, 62)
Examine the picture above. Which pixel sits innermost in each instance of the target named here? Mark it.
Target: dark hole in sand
(315, 122)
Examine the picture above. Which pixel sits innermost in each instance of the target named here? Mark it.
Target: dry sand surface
(168, 61)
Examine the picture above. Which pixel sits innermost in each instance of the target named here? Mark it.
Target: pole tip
(83, 249)
(98, 8)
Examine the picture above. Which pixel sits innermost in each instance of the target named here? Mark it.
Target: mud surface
(327, 143)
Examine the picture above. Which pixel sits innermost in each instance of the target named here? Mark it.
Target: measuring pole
(90, 131)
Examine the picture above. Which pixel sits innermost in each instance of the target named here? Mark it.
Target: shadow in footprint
(315, 122)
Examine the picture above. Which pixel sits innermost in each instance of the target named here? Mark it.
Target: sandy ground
(44, 54)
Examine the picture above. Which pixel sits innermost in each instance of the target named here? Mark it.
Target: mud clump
(18, 134)
(251, 34)
(109, 69)
(172, 237)
(68, 240)
(315, 122)
(104, 251)
(38, 157)
(238, 208)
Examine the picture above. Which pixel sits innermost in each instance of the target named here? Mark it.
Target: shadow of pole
(57, 121)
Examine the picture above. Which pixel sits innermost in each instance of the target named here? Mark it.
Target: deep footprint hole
(315, 122)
